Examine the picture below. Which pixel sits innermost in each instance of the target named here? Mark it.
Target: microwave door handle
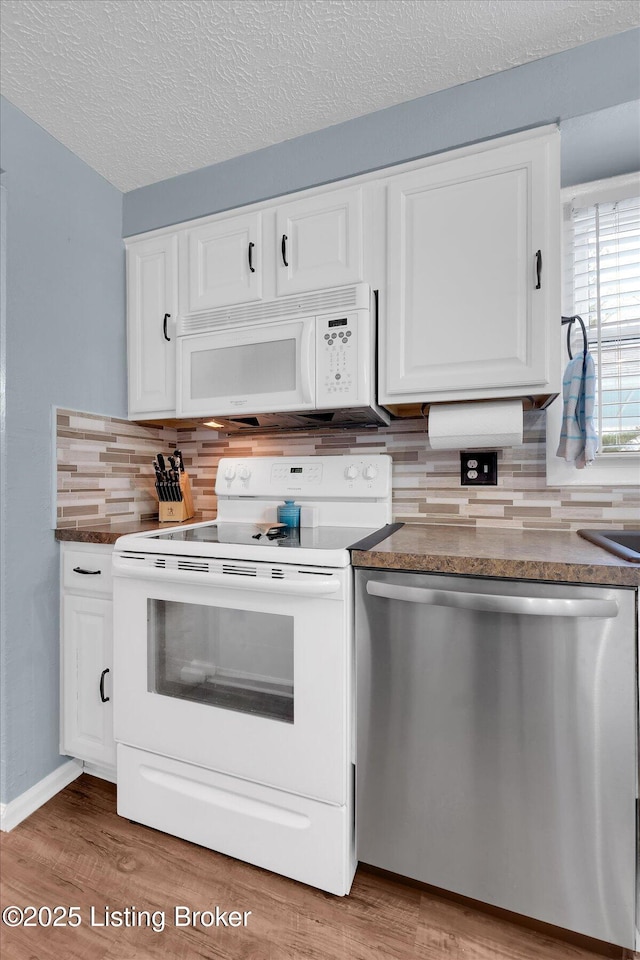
(307, 362)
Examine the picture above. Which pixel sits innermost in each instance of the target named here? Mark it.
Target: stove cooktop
(253, 535)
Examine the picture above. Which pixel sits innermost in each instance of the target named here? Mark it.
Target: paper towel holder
(529, 402)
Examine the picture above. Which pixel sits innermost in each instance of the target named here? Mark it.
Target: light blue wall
(603, 144)
(587, 79)
(65, 345)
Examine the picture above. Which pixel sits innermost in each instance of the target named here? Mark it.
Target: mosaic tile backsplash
(104, 468)
(104, 473)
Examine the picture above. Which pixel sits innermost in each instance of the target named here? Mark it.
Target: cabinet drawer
(87, 571)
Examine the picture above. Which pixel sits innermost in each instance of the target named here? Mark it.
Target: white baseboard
(14, 812)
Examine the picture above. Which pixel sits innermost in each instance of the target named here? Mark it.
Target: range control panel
(338, 347)
(319, 478)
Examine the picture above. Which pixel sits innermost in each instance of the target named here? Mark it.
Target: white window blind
(602, 285)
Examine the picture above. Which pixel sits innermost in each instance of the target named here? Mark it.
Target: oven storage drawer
(272, 829)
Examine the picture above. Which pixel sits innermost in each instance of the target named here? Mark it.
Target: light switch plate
(478, 468)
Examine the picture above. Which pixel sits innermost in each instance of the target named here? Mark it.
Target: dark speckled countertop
(492, 552)
(434, 548)
(109, 532)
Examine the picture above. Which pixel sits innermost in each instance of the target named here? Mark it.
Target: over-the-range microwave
(311, 354)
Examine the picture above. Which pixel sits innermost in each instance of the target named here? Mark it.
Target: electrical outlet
(479, 468)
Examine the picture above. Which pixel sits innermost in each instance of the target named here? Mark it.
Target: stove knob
(351, 472)
(244, 473)
(229, 472)
(370, 472)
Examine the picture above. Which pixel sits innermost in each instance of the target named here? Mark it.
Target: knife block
(174, 511)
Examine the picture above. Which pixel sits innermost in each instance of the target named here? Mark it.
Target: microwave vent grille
(354, 297)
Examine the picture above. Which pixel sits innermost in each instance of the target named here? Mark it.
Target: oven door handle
(316, 587)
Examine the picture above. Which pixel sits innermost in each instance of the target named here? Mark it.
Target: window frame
(611, 469)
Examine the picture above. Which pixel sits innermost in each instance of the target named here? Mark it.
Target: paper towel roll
(469, 426)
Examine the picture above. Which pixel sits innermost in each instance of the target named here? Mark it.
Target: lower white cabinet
(86, 722)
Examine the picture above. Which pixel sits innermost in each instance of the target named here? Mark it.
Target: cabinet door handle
(251, 266)
(164, 326)
(102, 676)
(283, 247)
(538, 268)
(88, 573)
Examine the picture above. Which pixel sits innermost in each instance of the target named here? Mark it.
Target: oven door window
(234, 659)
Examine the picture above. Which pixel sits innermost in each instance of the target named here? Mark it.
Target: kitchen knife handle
(283, 248)
(538, 268)
(90, 573)
(164, 326)
(102, 676)
(251, 266)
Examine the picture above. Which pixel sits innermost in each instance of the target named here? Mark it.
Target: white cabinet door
(464, 316)
(87, 679)
(319, 241)
(221, 264)
(152, 301)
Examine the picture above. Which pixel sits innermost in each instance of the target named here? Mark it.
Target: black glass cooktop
(260, 535)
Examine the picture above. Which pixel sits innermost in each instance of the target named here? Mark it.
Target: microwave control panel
(338, 347)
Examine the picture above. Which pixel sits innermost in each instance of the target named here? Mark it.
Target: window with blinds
(602, 285)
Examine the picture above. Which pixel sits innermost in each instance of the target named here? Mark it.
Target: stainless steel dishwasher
(497, 753)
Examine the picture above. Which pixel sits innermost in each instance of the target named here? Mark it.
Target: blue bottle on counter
(289, 513)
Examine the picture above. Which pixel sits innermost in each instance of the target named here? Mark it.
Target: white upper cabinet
(221, 263)
(319, 241)
(152, 305)
(463, 247)
(472, 307)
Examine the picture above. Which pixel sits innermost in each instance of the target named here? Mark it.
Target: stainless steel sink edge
(621, 543)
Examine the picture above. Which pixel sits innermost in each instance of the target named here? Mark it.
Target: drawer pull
(102, 676)
(88, 573)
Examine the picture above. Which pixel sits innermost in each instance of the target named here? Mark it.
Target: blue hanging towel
(578, 437)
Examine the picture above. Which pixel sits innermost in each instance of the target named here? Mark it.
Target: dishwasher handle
(495, 603)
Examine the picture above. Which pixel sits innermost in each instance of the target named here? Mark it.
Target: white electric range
(234, 666)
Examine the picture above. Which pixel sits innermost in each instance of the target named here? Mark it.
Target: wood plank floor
(76, 851)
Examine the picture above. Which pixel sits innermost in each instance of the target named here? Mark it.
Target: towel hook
(585, 342)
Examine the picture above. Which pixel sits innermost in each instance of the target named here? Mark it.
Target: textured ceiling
(146, 89)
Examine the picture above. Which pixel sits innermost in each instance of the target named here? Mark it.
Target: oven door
(261, 369)
(245, 670)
